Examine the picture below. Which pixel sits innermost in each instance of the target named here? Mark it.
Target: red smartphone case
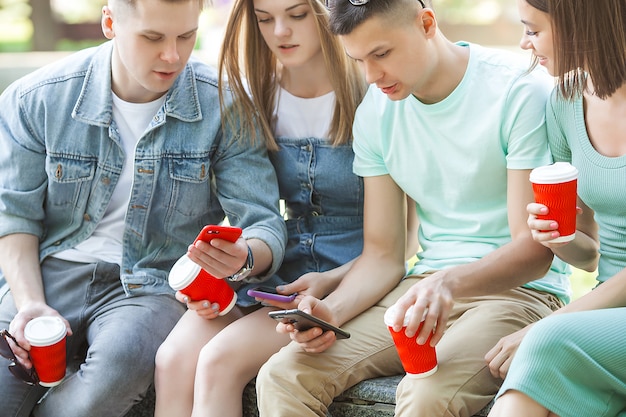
(212, 231)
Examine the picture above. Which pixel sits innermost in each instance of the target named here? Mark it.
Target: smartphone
(270, 293)
(305, 321)
(212, 231)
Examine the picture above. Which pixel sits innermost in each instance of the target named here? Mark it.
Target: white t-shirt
(105, 244)
(297, 117)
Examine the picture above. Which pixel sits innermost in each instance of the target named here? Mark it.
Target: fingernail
(215, 307)
(280, 288)
(205, 304)
(554, 225)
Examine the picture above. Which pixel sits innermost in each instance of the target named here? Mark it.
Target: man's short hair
(345, 16)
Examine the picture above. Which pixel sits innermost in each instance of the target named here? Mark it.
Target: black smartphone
(305, 321)
(270, 293)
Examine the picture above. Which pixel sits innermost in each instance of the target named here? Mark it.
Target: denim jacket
(61, 157)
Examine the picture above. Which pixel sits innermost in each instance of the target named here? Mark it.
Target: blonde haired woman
(296, 90)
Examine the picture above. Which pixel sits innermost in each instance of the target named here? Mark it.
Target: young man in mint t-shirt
(458, 128)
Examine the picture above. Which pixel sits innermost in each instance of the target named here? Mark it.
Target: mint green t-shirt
(601, 180)
(452, 157)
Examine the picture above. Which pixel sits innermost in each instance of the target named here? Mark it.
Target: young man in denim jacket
(111, 161)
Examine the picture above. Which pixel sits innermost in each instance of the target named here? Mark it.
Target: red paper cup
(189, 278)
(419, 361)
(555, 187)
(46, 336)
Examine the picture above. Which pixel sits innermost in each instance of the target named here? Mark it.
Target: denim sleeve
(22, 168)
(247, 189)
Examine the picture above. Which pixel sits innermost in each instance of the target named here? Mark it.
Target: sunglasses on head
(362, 2)
(18, 370)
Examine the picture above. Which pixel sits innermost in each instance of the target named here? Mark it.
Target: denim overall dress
(323, 208)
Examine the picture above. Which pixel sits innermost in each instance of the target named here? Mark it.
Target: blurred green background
(35, 32)
(44, 25)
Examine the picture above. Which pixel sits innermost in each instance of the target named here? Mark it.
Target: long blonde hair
(245, 53)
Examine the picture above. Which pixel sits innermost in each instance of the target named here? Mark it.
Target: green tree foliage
(11, 10)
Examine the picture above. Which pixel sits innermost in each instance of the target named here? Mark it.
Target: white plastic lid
(183, 273)
(390, 315)
(554, 174)
(44, 331)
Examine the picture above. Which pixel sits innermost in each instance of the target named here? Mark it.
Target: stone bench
(371, 398)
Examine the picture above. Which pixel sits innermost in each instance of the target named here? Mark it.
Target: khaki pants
(296, 383)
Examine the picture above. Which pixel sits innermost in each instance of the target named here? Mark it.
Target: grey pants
(112, 349)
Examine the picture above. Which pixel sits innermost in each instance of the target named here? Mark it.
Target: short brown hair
(345, 17)
(589, 38)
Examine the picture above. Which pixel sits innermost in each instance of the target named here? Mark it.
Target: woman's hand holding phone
(289, 295)
(267, 293)
(316, 284)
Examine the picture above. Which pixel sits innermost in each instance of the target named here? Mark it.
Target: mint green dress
(575, 364)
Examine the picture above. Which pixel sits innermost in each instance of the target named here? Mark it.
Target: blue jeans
(119, 334)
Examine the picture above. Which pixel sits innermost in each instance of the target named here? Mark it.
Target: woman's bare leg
(177, 358)
(230, 360)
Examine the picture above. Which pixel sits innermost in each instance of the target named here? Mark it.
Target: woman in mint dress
(573, 363)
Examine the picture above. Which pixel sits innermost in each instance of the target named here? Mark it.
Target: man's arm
(412, 226)
(247, 189)
(320, 284)
(20, 266)
(516, 263)
(376, 272)
(381, 264)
